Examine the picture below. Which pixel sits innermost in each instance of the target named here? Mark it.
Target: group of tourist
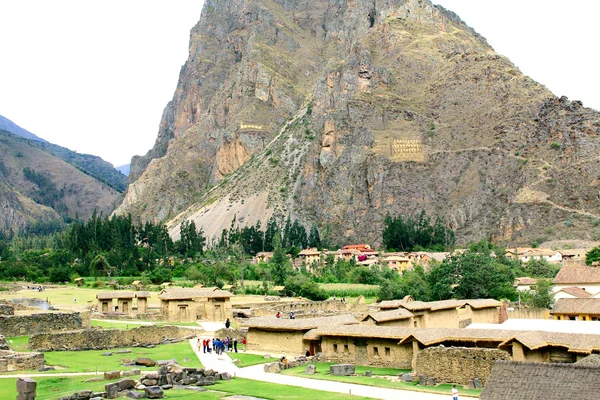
(291, 315)
(219, 345)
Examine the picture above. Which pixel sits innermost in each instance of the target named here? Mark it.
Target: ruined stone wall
(3, 344)
(18, 325)
(98, 339)
(458, 364)
(6, 309)
(13, 361)
(309, 308)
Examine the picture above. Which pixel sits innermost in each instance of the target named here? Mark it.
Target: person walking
(198, 345)
(235, 345)
(454, 393)
(227, 323)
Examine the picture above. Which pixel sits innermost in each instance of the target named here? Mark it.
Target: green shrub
(555, 145)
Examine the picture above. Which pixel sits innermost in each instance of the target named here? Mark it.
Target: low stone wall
(6, 309)
(13, 361)
(18, 325)
(458, 364)
(3, 344)
(100, 339)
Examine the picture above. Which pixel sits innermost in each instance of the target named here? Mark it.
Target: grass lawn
(93, 360)
(323, 374)
(250, 359)
(18, 343)
(49, 388)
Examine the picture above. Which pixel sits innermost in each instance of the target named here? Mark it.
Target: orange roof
(357, 247)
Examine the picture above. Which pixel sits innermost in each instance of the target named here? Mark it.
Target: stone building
(287, 336)
(195, 304)
(123, 302)
(399, 317)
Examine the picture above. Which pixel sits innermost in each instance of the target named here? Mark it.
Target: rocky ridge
(339, 112)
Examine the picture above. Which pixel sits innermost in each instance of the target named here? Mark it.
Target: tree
(542, 296)
(314, 240)
(100, 265)
(592, 256)
(471, 275)
(540, 268)
(280, 265)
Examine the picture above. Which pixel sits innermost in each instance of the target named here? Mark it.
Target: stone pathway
(223, 363)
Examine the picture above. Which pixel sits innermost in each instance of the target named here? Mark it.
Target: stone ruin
(14, 361)
(151, 385)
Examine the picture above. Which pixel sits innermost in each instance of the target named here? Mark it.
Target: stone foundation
(13, 361)
(100, 339)
(6, 309)
(458, 364)
(19, 325)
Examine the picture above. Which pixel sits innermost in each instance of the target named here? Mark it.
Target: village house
(573, 255)
(263, 256)
(308, 257)
(526, 254)
(579, 275)
(525, 283)
(287, 336)
(122, 302)
(188, 305)
(576, 309)
(572, 292)
(399, 317)
(397, 263)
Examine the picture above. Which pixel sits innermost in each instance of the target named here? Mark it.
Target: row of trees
(416, 233)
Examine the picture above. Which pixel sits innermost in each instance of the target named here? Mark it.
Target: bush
(161, 275)
(555, 145)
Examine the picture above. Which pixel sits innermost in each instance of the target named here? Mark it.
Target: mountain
(9, 126)
(124, 169)
(39, 189)
(339, 113)
(87, 163)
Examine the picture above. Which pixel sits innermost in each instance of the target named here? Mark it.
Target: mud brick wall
(13, 361)
(18, 325)
(100, 339)
(458, 364)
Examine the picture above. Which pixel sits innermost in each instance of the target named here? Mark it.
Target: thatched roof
(278, 288)
(577, 292)
(577, 274)
(543, 381)
(575, 342)
(576, 306)
(433, 336)
(142, 295)
(115, 295)
(391, 315)
(303, 324)
(360, 330)
(437, 305)
(591, 360)
(189, 294)
(525, 281)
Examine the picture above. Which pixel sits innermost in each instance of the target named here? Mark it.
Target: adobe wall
(528, 313)
(367, 351)
(458, 364)
(100, 339)
(13, 361)
(402, 323)
(308, 308)
(18, 325)
(441, 319)
(280, 342)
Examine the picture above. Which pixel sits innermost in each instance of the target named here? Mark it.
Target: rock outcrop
(340, 112)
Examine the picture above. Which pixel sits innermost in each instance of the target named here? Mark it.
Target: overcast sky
(94, 76)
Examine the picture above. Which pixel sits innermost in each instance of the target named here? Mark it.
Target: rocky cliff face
(339, 112)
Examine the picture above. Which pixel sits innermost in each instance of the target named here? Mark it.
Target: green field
(51, 388)
(323, 374)
(247, 360)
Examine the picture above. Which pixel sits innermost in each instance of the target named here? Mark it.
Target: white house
(581, 276)
(572, 292)
(525, 283)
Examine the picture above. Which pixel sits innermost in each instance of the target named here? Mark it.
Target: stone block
(26, 385)
(431, 381)
(369, 373)
(311, 369)
(470, 384)
(209, 379)
(477, 383)
(123, 351)
(107, 354)
(132, 394)
(167, 387)
(150, 382)
(342, 369)
(154, 392)
(422, 380)
(112, 390)
(148, 362)
(83, 394)
(225, 376)
(126, 383)
(209, 372)
(273, 368)
(96, 379)
(98, 394)
(110, 375)
(26, 396)
(406, 378)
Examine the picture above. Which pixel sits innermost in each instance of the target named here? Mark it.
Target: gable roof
(391, 315)
(433, 336)
(577, 292)
(437, 305)
(577, 306)
(574, 342)
(141, 295)
(360, 330)
(115, 295)
(189, 294)
(272, 323)
(576, 273)
(525, 281)
(547, 381)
